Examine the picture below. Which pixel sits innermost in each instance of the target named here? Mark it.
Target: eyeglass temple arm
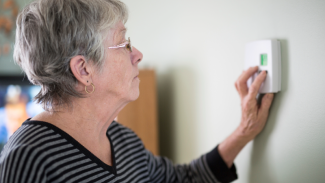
(121, 45)
(118, 46)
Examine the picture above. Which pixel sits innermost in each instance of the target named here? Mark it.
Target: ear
(81, 70)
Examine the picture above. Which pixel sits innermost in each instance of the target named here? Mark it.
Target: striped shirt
(41, 152)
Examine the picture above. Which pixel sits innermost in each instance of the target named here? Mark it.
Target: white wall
(197, 48)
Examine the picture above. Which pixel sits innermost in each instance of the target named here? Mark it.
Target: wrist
(240, 137)
(232, 145)
(243, 134)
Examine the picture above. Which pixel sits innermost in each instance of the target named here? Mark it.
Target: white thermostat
(266, 54)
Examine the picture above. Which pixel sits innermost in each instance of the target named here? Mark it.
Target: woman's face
(119, 77)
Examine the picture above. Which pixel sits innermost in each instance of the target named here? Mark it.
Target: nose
(136, 56)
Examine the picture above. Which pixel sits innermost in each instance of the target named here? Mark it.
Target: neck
(87, 122)
(86, 117)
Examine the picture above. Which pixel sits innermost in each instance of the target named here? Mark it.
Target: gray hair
(50, 32)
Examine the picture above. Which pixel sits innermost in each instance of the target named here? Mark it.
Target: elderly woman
(77, 51)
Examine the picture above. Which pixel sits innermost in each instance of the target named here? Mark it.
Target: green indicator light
(264, 59)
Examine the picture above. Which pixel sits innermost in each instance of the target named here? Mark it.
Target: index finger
(242, 80)
(255, 87)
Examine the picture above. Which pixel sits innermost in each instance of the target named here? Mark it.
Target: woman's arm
(253, 118)
(162, 169)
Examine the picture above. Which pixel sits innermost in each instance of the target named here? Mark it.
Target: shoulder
(117, 130)
(30, 139)
(123, 137)
(26, 153)
(28, 135)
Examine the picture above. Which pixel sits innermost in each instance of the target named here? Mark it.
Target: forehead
(119, 31)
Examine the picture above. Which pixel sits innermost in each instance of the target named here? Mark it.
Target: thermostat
(266, 54)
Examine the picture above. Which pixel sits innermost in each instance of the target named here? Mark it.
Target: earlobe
(80, 69)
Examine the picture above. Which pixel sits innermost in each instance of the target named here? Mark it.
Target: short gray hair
(50, 32)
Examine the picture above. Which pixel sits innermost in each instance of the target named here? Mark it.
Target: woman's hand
(253, 116)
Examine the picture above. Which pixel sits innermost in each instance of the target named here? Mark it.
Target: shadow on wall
(259, 160)
(176, 106)
(166, 114)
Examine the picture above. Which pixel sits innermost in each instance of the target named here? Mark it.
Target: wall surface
(197, 48)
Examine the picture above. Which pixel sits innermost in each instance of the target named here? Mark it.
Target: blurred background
(197, 50)
(16, 93)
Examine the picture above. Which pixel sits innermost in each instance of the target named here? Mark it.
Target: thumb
(265, 104)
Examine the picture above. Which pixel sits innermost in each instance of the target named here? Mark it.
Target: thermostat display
(264, 59)
(266, 54)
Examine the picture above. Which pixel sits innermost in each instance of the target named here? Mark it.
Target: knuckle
(239, 86)
(242, 82)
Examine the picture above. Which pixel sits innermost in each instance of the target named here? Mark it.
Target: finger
(265, 104)
(236, 81)
(253, 89)
(241, 83)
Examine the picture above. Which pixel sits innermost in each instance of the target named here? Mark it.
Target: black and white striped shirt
(41, 152)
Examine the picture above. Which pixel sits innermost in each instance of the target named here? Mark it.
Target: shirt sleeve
(199, 170)
(220, 168)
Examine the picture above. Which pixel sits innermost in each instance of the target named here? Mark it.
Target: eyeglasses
(126, 44)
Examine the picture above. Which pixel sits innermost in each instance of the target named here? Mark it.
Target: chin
(135, 95)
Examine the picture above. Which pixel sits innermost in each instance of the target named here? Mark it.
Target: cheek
(121, 73)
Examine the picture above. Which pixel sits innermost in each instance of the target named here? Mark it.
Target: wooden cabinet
(141, 114)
